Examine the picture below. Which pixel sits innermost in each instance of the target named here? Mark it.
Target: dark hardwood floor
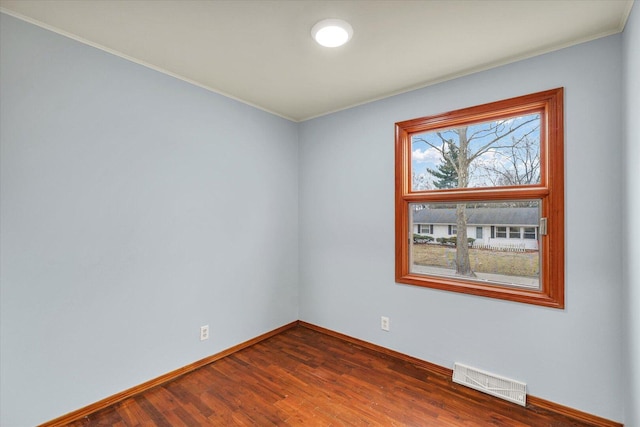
(303, 377)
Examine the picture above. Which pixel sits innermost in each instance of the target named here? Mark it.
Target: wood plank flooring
(302, 377)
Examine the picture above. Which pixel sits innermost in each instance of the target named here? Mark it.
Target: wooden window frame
(550, 191)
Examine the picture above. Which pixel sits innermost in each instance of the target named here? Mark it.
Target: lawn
(526, 264)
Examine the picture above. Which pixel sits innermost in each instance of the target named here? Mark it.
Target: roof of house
(481, 216)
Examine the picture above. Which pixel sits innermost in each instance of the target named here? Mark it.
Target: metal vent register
(504, 388)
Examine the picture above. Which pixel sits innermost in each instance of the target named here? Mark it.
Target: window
(500, 165)
(514, 232)
(425, 228)
(530, 233)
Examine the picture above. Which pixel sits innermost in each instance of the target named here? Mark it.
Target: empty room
(212, 214)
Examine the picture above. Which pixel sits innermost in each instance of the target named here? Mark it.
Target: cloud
(493, 158)
(429, 155)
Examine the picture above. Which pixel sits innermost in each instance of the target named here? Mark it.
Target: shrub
(419, 238)
(453, 240)
(446, 240)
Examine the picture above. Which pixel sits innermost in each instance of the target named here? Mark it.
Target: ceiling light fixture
(332, 32)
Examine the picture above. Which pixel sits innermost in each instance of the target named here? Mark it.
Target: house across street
(498, 228)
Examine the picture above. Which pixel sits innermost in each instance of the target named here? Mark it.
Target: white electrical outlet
(204, 332)
(384, 323)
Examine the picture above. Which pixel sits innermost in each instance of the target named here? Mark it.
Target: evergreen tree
(446, 173)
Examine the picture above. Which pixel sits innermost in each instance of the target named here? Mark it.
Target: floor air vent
(504, 388)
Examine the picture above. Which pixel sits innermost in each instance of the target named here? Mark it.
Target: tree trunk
(463, 265)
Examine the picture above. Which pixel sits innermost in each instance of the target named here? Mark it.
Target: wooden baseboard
(571, 413)
(532, 401)
(104, 403)
(441, 370)
(428, 366)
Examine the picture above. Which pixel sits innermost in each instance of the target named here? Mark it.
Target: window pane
(424, 229)
(514, 232)
(529, 232)
(500, 260)
(503, 152)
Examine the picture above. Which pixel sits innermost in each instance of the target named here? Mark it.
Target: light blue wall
(135, 208)
(631, 52)
(571, 356)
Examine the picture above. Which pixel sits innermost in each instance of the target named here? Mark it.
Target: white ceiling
(261, 51)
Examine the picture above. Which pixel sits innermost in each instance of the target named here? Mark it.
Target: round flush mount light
(332, 32)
